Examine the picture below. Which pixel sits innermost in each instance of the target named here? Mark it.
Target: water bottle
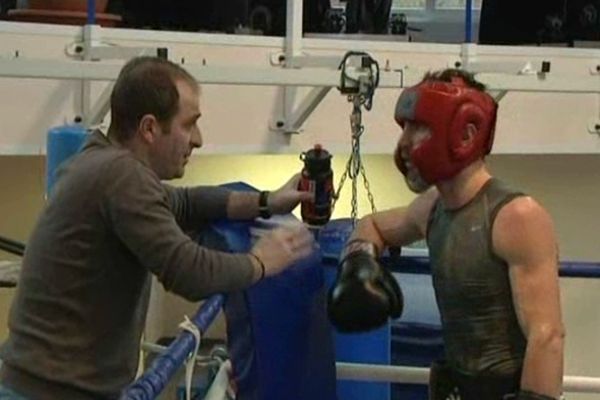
(317, 178)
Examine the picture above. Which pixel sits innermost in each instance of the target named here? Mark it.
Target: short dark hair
(146, 85)
(448, 75)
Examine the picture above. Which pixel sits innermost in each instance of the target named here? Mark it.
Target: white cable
(220, 389)
(188, 325)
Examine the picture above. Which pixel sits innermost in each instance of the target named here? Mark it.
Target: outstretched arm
(245, 205)
(523, 235)
(398, 226)
(365, 295)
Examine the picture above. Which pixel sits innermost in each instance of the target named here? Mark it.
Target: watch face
(263, 207)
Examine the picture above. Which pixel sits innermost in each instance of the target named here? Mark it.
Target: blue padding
(278, 335)
(62, 143)
(414, 340)
(333, 236)
(156, 378)
(365, 348)
(415, 345)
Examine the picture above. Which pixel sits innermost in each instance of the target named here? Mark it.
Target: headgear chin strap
(446, 108)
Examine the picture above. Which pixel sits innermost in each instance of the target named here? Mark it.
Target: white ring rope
(396, 374)
(189, 326)
(415, 375)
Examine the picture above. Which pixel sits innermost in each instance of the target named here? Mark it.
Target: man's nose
(404, 141)
(196, 139)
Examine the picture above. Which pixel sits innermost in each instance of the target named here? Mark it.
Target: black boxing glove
(365, 294)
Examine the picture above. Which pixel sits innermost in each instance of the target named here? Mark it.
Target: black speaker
(335, 21)
(6, 5)
(187, 15)
(522, 22)
(272, 13)
(583, 19)
(368, 16)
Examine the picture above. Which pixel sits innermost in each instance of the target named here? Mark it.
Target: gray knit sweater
(80, 308)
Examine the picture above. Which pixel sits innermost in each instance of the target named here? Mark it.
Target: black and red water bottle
(317, 177)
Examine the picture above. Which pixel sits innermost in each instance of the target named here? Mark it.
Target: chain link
(355, 166)
(361, 95)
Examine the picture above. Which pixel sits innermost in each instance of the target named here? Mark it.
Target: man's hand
(281, 247)
(287, 197)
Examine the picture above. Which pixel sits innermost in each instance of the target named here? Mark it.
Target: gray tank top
(472, 288)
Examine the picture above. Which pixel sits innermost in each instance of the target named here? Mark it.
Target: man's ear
(468, 135)
(462, 145)
(149, 128)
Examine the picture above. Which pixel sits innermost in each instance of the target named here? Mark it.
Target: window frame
(430, 6)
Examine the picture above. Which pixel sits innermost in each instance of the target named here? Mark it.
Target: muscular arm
(397, 226)
(523, 235)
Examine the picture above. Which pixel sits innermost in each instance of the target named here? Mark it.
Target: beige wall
(21, 198)
(569, 187)
(566, 185)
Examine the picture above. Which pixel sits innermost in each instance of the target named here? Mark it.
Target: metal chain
(368, 188)
(354, 166)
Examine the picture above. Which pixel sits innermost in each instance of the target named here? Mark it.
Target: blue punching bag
(62, 143)
(279, 339)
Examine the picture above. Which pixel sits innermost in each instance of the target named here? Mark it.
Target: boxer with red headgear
(448, 109)
(492, 249)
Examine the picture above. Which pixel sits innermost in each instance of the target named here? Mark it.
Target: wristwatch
(263, 207)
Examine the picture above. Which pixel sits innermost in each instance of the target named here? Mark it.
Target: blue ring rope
(420, 265)
(469, 21)
(158, 375)
(91, 12)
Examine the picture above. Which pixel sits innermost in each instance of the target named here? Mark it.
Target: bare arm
(397, 226)
(523, 235)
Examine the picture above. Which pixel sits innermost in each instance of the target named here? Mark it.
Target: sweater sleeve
(193, 206)
(137, 207)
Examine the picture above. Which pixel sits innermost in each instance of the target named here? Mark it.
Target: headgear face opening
(446, 108)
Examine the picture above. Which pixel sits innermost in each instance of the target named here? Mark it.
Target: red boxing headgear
(446, 108)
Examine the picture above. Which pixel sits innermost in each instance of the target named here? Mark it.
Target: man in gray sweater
(80, 308)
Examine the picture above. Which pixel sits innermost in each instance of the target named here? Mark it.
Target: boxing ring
(183, 350)
(154, 380)
(150, 384)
